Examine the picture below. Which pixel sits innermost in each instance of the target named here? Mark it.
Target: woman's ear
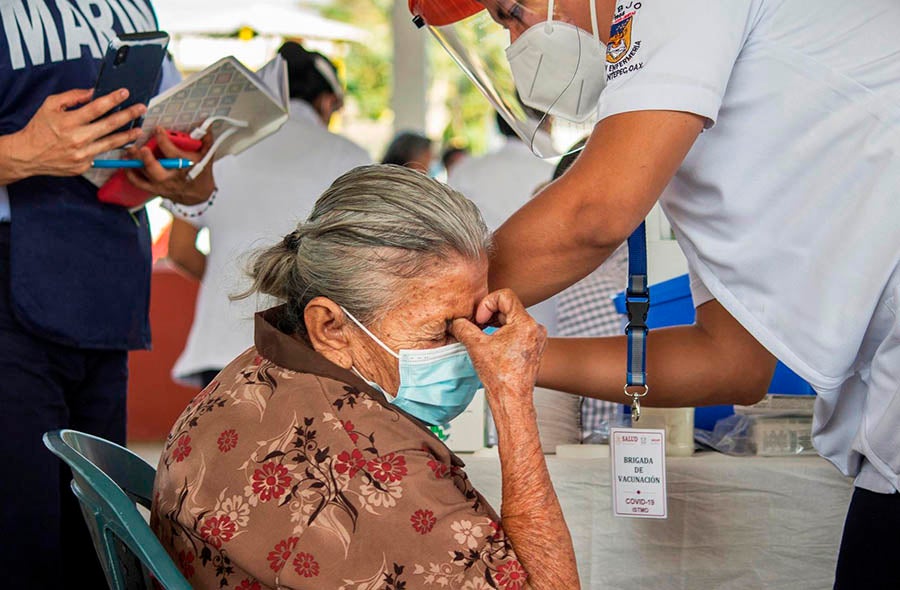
(325, 323)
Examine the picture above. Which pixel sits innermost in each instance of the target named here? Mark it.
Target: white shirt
(499, 183)
(264, 193)
(787, 206)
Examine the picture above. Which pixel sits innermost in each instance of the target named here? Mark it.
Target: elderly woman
(308, 461)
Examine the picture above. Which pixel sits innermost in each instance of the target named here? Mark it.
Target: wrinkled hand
(172, 184)
(58, 141)
(507, 361)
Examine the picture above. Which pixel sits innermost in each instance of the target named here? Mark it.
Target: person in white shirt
(502, 180)
(261, 194)
(775, 126)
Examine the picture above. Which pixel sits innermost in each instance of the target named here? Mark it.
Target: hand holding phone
(62, 137)
(133, 61)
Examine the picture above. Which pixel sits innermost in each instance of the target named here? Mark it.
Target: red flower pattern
(348, 427)
(511, 575)
(227, 440)
(217, 530)
(440, 469)
(278, 557)
(186, 563)
(182, 448)
(271, 481)
(305, 565)
(423, 521)
(390, 467)
(349, 462)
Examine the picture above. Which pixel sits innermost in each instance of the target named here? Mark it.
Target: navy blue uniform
(74, 295)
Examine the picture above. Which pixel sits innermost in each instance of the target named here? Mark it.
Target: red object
(438, 13)
(119, 191)
(160, 247)
(154, 400)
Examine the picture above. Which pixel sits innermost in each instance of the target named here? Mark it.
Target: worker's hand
(174, 185)
(507, 360)
(61, 140)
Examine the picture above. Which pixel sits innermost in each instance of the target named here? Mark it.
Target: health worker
(769, 130)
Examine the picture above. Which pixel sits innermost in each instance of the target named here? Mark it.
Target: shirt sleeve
(665, 55)
(699, 293)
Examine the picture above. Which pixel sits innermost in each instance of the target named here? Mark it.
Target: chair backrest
(109, 480)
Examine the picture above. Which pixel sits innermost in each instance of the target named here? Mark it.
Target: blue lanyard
(637, 304)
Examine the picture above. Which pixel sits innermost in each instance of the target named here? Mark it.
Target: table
(734, 523)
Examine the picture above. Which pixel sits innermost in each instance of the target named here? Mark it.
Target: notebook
(240, 107)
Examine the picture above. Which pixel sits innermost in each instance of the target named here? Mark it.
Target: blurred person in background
(410, 149)
(261, 194)
(453, 155)
(502, 180)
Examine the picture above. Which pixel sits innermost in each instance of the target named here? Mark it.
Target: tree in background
(369, 75)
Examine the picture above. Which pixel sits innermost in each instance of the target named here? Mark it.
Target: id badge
(638, 461)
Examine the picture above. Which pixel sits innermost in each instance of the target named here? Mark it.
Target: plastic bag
(772, 436)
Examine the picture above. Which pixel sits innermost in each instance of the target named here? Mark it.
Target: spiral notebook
(224, 97)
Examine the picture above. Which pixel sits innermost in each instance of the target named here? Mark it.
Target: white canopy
(266, 17)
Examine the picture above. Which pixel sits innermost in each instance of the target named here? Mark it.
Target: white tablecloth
(734, 522)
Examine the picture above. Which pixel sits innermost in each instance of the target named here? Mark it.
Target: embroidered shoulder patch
(623, 48)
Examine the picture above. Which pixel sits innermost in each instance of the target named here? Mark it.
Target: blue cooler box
(671, 305)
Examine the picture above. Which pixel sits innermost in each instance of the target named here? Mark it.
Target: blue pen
(165, 163)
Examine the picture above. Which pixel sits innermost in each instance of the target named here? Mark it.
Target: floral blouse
(288, 471)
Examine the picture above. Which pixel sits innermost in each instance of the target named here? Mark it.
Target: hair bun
(292, 240)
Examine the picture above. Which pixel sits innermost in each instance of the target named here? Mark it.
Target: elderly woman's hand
(507, 361)
(174, 185)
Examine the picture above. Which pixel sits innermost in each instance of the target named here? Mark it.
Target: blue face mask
(436, 384)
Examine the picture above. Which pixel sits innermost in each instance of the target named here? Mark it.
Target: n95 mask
(559, 69)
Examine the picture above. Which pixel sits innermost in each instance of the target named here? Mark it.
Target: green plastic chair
(109, 480)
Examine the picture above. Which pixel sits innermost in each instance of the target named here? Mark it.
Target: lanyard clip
(636, 394)
(637, 307)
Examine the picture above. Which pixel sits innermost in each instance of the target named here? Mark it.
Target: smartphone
(132, 61)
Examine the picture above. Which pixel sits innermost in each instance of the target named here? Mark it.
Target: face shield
(543, 74)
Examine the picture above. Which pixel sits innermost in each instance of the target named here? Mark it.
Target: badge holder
(638, 456)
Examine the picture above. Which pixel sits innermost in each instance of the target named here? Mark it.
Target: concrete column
(408, 99)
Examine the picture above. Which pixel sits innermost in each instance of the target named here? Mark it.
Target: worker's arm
(714, 361)
(183, 250)
(576, 222)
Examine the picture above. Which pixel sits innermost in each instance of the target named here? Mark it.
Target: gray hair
(374, 227)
